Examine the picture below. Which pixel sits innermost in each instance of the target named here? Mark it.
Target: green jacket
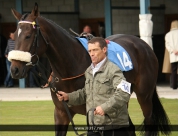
(101, 90)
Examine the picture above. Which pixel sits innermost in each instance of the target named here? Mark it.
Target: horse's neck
(67, 57)
(63, 59)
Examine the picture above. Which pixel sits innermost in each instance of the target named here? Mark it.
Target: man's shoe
(5, 85)
(10, 86)
(33, 86)
(174, 88)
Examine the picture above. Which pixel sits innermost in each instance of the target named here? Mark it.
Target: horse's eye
(27, 37)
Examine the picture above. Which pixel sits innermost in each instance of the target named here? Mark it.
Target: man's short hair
(100, 40)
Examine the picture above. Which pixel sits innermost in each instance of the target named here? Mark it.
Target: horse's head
(28, 44)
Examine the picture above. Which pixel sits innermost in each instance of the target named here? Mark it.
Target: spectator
(87, 33)
(171, 42)
(32, 81)
(87, 29)
(10, 46)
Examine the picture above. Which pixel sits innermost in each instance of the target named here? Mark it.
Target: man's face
(12, 36)
(96, 53)
(87, 29)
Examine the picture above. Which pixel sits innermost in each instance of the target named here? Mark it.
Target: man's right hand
(175, 52)
(62, 96)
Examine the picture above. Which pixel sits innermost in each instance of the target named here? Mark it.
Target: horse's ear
(16, 14)
(35, 11)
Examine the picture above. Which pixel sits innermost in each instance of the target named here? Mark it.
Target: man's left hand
(99, 111)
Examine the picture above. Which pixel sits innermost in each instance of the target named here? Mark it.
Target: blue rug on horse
(116, 54)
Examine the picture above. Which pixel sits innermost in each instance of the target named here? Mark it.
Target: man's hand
(62, 96)
(99, 111)
(175, 52)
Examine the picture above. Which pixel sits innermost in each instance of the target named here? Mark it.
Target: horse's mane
(59, 27)
(24, 16)
(51, 22)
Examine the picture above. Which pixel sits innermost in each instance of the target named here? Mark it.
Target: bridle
(35, 44)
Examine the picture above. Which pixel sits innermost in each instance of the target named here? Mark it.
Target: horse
(36, 35)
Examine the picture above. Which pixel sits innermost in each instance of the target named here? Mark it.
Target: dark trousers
(32, 82)
(174, 67)
(116, 132)
(8, 80)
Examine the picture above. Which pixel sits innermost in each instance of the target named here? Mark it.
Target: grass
(41, 112)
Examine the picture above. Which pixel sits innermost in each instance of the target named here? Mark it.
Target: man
(105, 88)
(10, 46)
(87, 29)
(87, 33)
(171, 42)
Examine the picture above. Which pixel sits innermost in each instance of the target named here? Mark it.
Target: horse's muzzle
(17, 71)
(14, 72)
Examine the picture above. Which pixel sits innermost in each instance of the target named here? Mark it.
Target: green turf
(41, 112)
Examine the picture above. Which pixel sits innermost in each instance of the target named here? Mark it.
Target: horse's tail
(159, 117)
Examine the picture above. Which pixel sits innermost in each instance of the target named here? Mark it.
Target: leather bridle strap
(70, 117)
(63, 79)
(92, 116)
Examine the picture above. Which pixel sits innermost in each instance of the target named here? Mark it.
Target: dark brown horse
(68, 58)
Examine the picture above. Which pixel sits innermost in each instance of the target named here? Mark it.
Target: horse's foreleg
(61, 121)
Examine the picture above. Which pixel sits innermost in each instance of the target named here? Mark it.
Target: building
(77, 13)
